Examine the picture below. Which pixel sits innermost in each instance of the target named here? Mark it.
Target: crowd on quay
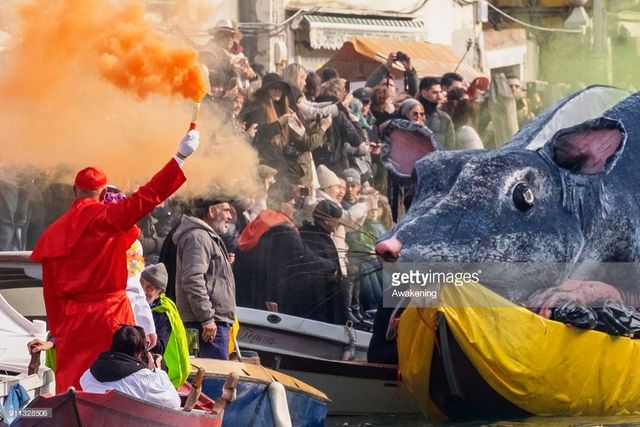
(302, 245)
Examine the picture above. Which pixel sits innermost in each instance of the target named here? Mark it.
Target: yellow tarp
(541, 366)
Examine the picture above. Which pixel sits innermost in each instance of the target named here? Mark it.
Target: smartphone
(304, 191)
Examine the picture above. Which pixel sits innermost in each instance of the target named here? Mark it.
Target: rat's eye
(523, 197)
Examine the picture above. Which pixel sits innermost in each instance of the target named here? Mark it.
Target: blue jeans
(219, 347)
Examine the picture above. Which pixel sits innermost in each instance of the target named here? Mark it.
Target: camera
(401, 56)
(290, 152)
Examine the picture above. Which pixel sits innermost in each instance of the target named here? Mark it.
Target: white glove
(189, 144)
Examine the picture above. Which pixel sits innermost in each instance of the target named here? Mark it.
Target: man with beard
(205, 287)
(438, 121)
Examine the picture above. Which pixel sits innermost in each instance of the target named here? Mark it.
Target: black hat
(273, 81)
(363, 94)
(327, 209)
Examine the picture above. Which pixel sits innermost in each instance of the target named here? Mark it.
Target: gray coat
(205, 287)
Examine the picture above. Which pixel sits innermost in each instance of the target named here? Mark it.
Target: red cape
(84, 266)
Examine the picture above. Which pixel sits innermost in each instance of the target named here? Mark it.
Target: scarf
(114, 366)
(265, 221)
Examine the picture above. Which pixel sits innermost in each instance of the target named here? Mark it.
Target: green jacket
(176, 355)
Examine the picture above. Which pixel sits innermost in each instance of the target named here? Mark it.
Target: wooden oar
(228, 393)
(34, 364)
(196, 390)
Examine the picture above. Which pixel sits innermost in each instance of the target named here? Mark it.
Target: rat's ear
(589, 148)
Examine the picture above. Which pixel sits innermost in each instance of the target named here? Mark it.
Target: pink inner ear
(407, 148)
(597, 146)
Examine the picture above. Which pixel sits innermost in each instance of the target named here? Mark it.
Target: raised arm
(127, 213)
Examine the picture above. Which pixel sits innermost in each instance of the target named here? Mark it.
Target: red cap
(91, 178)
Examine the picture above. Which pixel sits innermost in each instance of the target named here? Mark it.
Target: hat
(407, 105)
(156, 274)
(351, 176)
(326, 177)
(226, 25)
(327, 209)
(363, 94)
(273, 81)
(91, 178)
(265, 172)
(205, 202)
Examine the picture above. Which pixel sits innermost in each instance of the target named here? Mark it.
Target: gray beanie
(156, 274)
(351, 176)
(407, 105)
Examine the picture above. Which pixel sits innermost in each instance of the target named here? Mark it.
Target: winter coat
(272, 261)
(205, 287)
(440, 124)
(341, 133)
(320, 297)
(352, 219)
(468, 139)
(292, 161)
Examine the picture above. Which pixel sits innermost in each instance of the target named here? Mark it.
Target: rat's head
(512, 205)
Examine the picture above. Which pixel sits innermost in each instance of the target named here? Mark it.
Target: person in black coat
(324, 300)
(272, 260)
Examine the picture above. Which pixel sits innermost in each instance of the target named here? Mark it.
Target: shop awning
(330, 32)
(358, 57)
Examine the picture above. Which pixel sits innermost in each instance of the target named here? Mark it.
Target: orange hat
(91, 178)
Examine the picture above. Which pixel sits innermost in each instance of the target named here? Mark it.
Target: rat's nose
(389, 249)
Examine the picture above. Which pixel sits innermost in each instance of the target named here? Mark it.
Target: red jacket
(84, 266)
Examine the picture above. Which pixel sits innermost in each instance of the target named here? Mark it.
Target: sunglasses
(417, 114)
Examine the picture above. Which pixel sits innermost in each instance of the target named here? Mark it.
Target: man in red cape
(84, 266)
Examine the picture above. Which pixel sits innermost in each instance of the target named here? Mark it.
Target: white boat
(15, 332)
(265, 331)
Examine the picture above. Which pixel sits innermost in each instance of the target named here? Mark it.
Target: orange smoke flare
(136, 58)
(90, 82)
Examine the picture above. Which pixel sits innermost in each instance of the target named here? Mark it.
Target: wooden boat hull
(77, 409)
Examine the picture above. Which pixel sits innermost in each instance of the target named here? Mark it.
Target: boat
(355, 387)
(264, 330)
(264, 396)
(477, 355)
(15, 332)
(307, 349)
(79, 408)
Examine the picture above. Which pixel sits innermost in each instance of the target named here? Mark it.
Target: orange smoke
(86, 82)
(136, 58)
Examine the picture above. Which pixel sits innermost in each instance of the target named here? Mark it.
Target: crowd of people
(301, 245)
